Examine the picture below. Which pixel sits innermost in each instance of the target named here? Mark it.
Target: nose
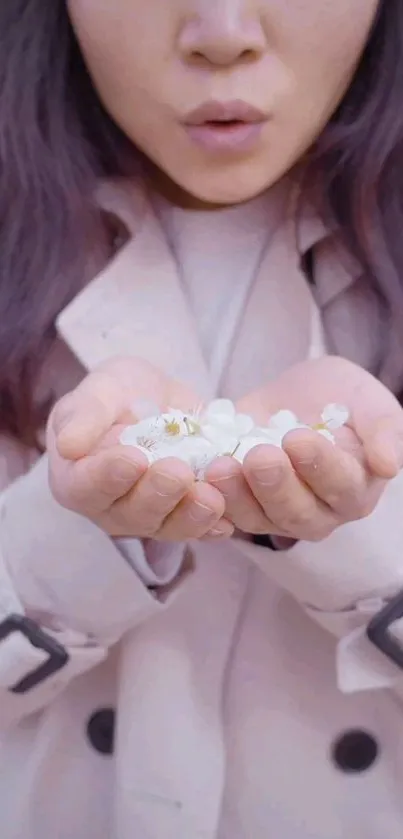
(221, 33)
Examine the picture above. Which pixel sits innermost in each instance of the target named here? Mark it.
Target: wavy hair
(56, 141)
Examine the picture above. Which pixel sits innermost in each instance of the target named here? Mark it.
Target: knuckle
(299, 521)
(321, 532)
(357, 506)
(129, 524)
(361, 510)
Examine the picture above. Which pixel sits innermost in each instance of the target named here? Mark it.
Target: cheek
(142, 84)
(320, 42)
(123, 47)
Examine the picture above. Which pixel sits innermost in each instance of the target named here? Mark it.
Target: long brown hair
(56, 140)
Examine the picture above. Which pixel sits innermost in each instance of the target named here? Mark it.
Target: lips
(221, 113)
(225, 127)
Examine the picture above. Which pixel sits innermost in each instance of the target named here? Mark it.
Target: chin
(225, 186)
(225, 191)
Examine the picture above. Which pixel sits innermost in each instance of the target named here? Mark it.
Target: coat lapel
(136, 306)
(276, 327)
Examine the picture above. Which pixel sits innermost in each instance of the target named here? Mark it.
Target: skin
(152, 63)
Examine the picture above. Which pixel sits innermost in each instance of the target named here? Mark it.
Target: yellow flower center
(172, 428)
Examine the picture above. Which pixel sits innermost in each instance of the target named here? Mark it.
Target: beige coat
(235, 685)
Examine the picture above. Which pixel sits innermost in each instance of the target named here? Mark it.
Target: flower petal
(219, 408)
(286, 420)
(141, 430)
(174, 414)
(222, 439)
(195, 451)
(244, 424)
(335, 416)
(248, 443)
(269, 436)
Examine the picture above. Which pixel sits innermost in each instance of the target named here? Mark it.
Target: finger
(241, 506)
(333, 475)
(155, 496)
(377, 419)
(286, 501)
(109, 395)
(93, 484)
(384, 449)
(103, 397)
(224, 529)
(81, 418)
(195, 516)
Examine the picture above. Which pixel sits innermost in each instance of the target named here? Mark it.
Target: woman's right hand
(95, 476)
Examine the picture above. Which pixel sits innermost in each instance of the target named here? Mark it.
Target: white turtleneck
(226, 244)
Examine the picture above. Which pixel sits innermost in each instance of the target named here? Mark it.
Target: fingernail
(124, 470)
(166, 484)
(224, 480)
(268, 475)
(219, 534)
(200, 513)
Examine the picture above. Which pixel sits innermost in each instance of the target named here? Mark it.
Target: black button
(355, 751)
(101, 730)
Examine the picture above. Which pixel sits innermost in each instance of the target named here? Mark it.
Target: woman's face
(270, 74)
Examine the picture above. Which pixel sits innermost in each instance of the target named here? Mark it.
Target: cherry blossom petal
(285, 420)
(220, 407)
(335, 416)
(243, 424)
(248, 443)
(150, 429)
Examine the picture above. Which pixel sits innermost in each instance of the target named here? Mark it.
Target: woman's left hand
(310, 487)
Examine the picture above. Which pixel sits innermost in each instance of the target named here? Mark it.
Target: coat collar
(136, 306)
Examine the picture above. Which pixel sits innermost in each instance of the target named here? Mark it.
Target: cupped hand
(310, 487)
(92, 474)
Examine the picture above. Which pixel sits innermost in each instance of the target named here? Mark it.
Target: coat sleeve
(67, 591)
(343, 582)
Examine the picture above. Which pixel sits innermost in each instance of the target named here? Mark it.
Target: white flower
(273, 433)
(197, 452)
(259, 437)
(170, 435)
(144, 435)
(335, 416)
(198, 437)
(165, 427)
(284, 421)
(223, 426)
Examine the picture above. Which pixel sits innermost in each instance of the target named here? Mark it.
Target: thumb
(384, 448)
(83, 417)
(377, 419)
